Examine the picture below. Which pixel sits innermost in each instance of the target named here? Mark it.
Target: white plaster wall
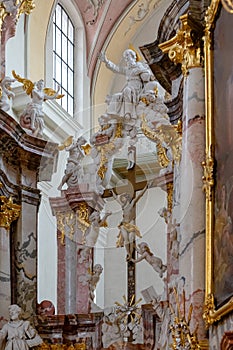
(16, 46)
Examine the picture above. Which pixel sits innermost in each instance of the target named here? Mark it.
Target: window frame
(63, 66)
(80, 70)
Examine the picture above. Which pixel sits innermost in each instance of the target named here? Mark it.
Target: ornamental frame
(212, 311)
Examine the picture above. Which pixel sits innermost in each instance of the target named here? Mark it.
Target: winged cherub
(32, 117)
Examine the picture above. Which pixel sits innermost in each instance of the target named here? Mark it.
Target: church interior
(116, 178)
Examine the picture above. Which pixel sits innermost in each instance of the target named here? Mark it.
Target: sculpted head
(129, 55)
(14, 311)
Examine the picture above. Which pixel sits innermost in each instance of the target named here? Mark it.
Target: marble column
(24, 160)
(192, 200)
(5, 263)
(75, 258)
(24, 252)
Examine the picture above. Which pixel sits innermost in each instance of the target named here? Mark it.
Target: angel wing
(87, 149)
(27, 84)
(51, 92)
(66, 143)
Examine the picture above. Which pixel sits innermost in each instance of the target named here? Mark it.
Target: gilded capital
(15, 9)
(9, 211)
(185, 46)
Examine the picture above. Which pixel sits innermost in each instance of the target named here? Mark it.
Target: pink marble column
(72, 211)
(5, 263)
(192, 200)
(7, 31)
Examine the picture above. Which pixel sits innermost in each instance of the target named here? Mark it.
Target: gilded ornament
(83, 219)
(61, 227)
(208, 177)
(169, 196)
(211, 314)
(208, 310)
(26, 6)
(185, 46)
(180, 328)
(165, 134)
(15, 9)
(70, 222)
(75, 346)
(9, 211)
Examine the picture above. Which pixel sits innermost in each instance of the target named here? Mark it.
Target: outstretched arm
(142, 257)
(148, 185)
(110, 65)
(103, 220)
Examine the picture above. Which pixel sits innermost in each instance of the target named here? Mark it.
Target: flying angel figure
(32, 118)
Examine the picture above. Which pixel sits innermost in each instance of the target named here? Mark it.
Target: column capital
(185, 47)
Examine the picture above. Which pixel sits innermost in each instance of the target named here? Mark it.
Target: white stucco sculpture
(73, 171)
(6, 93)
(95, 223)
(128, 229)
(106, 142)
(32, 118)
(11, 6)
(18, 334)
(123, 104)
(145, 253)
(110, 328)
(91, 278)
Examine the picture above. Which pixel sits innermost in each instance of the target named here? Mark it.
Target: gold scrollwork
(70, 222)
(212, 315)
(208, 177)
(26, 6)
(180, 327)
(75, 346)
(9, 211)
(185, 47)
(83, 219)
(169, 196)
(17, 9)
(3, 14)
(61, 227)
(165, 134)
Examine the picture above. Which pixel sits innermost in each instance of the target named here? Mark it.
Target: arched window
(63, 57)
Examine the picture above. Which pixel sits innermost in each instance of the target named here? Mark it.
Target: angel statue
(91, 278)
(6, 93)
(32, 118)
(145, 253)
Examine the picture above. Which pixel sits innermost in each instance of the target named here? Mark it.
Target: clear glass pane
(64, 23)
(64, 48)
(58, 16)
(58, 69)
(58, 46)
(70, 32)
(70, 55)
(64, 77)
(70, 82)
